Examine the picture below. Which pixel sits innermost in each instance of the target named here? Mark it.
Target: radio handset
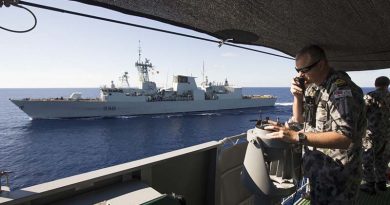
(301, 83)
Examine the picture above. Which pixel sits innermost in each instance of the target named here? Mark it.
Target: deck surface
(364, 199)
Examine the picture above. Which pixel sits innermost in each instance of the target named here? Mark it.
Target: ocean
(38, 151)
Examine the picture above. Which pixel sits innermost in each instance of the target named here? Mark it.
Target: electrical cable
(149, 28)
(300, 177)
(23, 31)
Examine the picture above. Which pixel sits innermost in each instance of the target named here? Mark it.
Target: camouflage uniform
(336, 105)
(377, 136)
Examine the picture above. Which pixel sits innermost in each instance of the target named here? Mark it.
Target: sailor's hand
(282, 132)
(295, 90)
(276, 123)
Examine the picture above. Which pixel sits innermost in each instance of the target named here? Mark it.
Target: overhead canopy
(354, 34)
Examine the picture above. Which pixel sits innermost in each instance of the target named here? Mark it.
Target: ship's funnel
(271, 167)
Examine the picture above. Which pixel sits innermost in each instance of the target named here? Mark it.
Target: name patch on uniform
(342, 93)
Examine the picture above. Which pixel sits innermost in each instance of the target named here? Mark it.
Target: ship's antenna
(139, 51)
(260, 115)
(166, 81)
(203, 73)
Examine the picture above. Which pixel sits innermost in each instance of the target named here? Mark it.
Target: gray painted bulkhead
(208, 173)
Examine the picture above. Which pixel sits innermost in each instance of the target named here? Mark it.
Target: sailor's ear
(323, 64)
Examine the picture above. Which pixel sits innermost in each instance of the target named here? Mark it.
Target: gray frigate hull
(38, 109)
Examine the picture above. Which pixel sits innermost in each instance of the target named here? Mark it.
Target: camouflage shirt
(336, 105)
(378, 113)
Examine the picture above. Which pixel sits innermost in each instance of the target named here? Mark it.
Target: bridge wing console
(271, 166)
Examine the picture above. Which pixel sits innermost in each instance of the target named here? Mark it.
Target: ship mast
(204, 81)
(143, 67)
(203, 73)
(139, 51)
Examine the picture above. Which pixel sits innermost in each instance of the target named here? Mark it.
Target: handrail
(233, 139)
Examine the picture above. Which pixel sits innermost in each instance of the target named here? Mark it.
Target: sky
(66, 51)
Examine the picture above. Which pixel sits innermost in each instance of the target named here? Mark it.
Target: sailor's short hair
(316, 52)
(382, 81)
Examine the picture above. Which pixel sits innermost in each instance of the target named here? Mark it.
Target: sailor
(332, 112)
(377, 137)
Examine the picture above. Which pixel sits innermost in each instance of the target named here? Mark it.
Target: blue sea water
(38, 151)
